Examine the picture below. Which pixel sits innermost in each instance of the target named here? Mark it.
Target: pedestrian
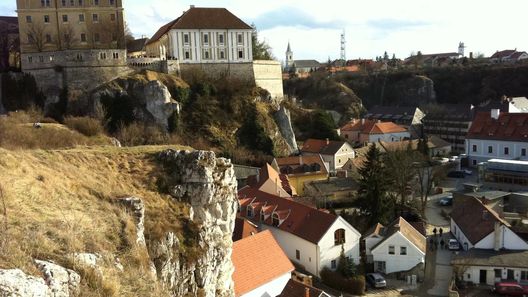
(434, 231)
(441, 232)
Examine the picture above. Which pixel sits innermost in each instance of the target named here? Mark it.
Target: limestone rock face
(62, 282)
(159, 102)
(283, 119)
(137, 209)
(15, 283)
(208, 184)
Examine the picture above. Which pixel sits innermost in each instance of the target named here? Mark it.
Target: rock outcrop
(61, 282)
(159, 102)
(283, 119)
(208, 184)
(137, 209)
(15, 283)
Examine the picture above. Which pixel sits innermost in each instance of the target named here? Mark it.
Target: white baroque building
(203, 35)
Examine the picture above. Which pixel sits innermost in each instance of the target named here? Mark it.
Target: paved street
(442, 271)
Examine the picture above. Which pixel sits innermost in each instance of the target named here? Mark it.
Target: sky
(314, 27)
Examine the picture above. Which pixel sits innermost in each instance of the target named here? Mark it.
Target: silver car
(376, 280)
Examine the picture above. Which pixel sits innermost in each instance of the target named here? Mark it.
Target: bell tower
(289, 56)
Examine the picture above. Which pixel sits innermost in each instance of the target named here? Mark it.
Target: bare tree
(4, 227)
(399, 163)
(68, 37)
(36, 36)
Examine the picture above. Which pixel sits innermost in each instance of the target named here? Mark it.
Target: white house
(397, 247)
(335, 153)
(203, 35)
(261, 267)
(492, 250)
(508, 56)
(310, 237)
(496, 135)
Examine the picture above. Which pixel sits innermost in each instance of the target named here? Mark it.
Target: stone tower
(461, 49)
(289, 57)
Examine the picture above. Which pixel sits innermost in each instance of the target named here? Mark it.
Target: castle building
(203, 35)
(74, 43)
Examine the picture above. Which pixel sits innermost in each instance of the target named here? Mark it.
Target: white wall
(329, 251)
(196, 46)
(460, 236)
(290, 243)
(512, 241)
(341, 157)
(273, 288)
(370, 242)
(472, 273)
(392, 137)
(398, 262)
(482, 155)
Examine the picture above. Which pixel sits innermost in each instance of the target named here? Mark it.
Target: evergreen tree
(346, 266)
(374, 182)
(261, 50)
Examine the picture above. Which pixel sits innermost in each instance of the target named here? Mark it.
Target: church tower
(461, 49)
(289, 57)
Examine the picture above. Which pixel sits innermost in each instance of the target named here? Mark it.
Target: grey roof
(489, 195)
(480, 257)
(452, 112)
(391, 112)
(137, 45)
(306, 64)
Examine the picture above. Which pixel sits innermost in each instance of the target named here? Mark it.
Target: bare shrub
(84, 125)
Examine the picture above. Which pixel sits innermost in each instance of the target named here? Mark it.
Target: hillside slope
(63, 203)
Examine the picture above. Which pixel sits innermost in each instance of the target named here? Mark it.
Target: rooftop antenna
(343, 46)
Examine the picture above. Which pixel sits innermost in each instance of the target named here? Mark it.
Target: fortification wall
(268, 75)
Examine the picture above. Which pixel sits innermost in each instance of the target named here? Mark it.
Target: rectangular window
(81, 18)
(187, 55)
(41, 59)
(391, 250)
(403, 250)
(112, 2)
(490, 149)
(523, 152)
(72, 2)
(186, 38)
(115, 55)
(63, 2)
(80, 2)
(48, 38)
(96, 2)
(96, 37)
(206, 38)
(51, 58)
(506, 150)
(498, 273)
(64, 18)
(46, 19)
(112, 17)
(240, 38)
(474, 148)
(221, 39)
(79, 57)
(83, 37)
(333, 264)
(241, 54)
(45, 3)
(102, 56)
(524, 275)
(95, 17)
(222, 54)
(297, 255)
(29, 19)
(30, 59)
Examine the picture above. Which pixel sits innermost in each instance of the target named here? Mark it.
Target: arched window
(250, 212)
(275, 221)
(339, 236)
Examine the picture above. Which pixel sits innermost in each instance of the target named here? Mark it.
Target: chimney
(498, 236)
(300, 160)
(327, 141)
(306, 292)
(495, 114)
(192, 6)
(258, 176)
(362, 122)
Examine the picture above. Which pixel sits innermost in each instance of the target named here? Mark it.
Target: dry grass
(62, 202)
(17, 132)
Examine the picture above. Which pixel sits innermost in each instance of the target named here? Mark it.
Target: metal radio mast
(343, 46)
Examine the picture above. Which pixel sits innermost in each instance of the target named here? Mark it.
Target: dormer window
(339, 236)
(250, 212)
(275, 221)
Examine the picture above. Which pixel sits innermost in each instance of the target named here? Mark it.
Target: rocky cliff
(283, 119)
(116, 222)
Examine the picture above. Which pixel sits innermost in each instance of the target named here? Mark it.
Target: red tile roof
(301, 165)
(269, 173)
(502, 54)
(200, 18)
(258, 260)
(373, 127)
(301, 220)
(323, 147)
(243, 229)
(509, 127)
(296, 289)
(475, 219)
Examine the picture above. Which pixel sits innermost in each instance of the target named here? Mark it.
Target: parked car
(456, 174)
(446, 201)
(376, 280)
(510, 289)
(453, 245)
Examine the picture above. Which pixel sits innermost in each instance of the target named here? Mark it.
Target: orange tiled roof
(243, 229)
(296, 218)
(296, 289)
(323, 147)
(269, 173)
(509, 126)
(384, 128)
(258, 260)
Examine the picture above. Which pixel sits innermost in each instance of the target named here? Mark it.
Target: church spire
(289, 56)
(289, 48)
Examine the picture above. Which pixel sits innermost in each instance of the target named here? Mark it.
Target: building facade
(311, 238)
(9, 43)
(335, 153)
